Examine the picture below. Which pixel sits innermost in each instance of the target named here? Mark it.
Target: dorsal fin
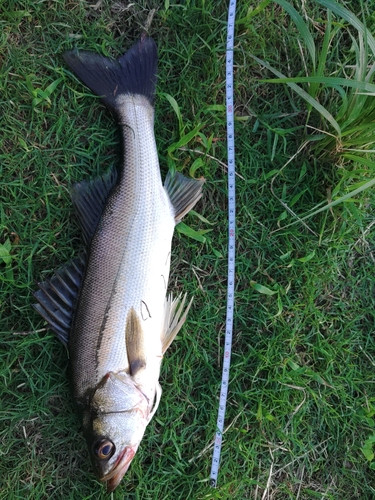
(57, 297)
(183, 193)
(134, 339)
(89, 199)
(175, 317)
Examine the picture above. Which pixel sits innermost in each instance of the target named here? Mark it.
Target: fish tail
(133, 73)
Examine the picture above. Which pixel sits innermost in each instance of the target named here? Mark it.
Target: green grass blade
(302, 28)
(325, 46)
(192, 233)
(346, 14)
(360, 159)
(322, 57)
(368, 88)
(52, 87)
(252, 12)
(176, 108)
(262, 289)
(346, 197)
(302, 93)
(185, 139)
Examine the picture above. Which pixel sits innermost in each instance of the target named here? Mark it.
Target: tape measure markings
(231, 245)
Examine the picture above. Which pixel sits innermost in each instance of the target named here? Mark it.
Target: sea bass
(110, 305)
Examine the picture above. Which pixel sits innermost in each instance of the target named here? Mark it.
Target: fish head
(114, 426)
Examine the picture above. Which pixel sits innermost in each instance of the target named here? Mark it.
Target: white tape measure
(231, 244)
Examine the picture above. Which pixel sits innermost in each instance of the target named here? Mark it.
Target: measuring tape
(231, 245)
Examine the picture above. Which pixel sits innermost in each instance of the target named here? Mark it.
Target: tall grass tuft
(344, 97)
(340, 97)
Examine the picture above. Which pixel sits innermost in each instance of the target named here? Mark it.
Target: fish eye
(104, 449)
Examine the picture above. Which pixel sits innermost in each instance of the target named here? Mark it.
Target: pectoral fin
(134, 339)
(175, 317)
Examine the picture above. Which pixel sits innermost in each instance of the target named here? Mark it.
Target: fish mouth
(114, 477)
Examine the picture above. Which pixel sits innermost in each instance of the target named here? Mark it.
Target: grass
(341, 96)
(300, 414)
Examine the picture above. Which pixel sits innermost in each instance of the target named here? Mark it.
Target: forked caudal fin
(133, 73)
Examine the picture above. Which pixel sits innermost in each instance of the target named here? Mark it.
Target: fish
(110, 305)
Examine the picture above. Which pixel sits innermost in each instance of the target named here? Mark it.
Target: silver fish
(110, 306)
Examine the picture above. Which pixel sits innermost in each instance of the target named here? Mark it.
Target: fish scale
(136, 274)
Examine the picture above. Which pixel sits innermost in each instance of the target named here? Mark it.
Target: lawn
(301, 404)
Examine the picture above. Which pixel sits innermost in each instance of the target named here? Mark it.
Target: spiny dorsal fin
(175, 317)
(57, 297)
(89, 199)
(134, 339)
(183, 193)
